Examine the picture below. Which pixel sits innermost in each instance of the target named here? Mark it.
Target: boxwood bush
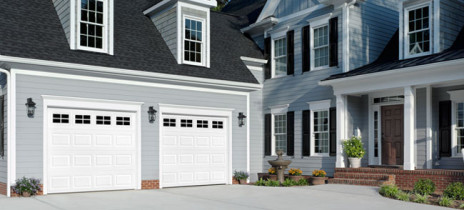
(424, 187)
(389, 191)
(454, 191)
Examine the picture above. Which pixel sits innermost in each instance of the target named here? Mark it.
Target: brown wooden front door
(392, 135)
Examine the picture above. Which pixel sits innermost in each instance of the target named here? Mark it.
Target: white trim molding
(319, 105)
(279, 109)
(89, 103)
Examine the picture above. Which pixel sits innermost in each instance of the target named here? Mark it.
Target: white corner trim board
(11, 131)
(127, 72)
(74, 103)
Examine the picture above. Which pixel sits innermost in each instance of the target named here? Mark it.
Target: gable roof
(245, 8)
(32, 29)
(389, 59)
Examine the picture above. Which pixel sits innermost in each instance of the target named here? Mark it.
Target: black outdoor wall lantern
(241, 119)
(30, 108)
(151, 114)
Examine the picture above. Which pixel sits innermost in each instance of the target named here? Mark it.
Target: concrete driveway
(219, 197)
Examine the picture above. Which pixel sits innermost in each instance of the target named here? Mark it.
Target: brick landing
(150, 184)
(402, 178)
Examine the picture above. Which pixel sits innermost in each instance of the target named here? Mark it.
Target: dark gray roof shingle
(32, 29)
(388, 60)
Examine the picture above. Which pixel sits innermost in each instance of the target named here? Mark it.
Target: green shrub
(461, 206)
(271, 183)
(424, 187)
(289, 183)
(402, 196)
(354, 147)
(421, 198)
(240, 175)
(302, 182)
(445, 201)
(455, 191)
(260, 182)
(389, 191)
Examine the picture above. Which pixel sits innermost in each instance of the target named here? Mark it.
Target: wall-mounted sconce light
(30, 108)
(241, 119)
(151, 114)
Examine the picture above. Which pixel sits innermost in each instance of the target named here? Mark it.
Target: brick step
(368, 170)
(349, 175)
(363, 182)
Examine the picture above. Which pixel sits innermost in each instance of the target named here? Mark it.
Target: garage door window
(169, 122)
(82, 119)
(186, 123)
(60, 118)
(122, 120)
(103, 120)
(218, 124)
(202, 123)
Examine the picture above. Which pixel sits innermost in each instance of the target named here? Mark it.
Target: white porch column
(409, 131)
(341, 130)
(429, 127)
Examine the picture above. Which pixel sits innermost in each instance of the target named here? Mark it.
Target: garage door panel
(194, 154)
(91, 157)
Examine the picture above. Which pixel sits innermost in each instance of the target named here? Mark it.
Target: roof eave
(260, 26)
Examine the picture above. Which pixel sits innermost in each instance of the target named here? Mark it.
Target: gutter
(6, 68)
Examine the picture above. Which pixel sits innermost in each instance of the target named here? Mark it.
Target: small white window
(418, 31)
(103, 120)
(321, 46)
(186, 123)
(169, 122)
(202, 123)
(194, 41)
(218, 124)
(82, 119)
(60, 118)
(280, 57)
(459, 127)
(122, 120)
(280, 133)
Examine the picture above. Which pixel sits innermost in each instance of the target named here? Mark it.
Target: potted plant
(272, 174)
(318, 177)
(295, 174)
(354, 149)
(241, 176)
(27, 186)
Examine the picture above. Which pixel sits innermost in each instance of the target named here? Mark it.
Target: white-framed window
(418, 30)
(194, 41)
(320, 127)
(94, 30)
(280, 57)
(279, 133)
(459, 127)
(321, 46)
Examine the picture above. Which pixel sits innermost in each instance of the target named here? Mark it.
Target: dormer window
(93, 31)
(193, 41)
(418, 30)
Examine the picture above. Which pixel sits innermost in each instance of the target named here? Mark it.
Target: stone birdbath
(280, 165)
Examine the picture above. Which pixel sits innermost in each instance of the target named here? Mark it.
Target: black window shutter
(333, 131)
(445, 128)
(306, 133)
(2, 127)
(333, 41)
(290, 52)
(267, 134)
(267, 56)
(306, 49)
(290, 133)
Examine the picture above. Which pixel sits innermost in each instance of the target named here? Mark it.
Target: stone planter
(242, 181)
(296, 178)
(354, 162)
(273, 177)
(318, 180)
(26, 194)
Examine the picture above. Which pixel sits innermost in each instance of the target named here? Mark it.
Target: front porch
(404, 179)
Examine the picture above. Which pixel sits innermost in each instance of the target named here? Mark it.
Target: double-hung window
(459, 127)
(418, 31)
(280, 132)
(93, 25)
(321, 46)
(194, 41)
(321, 132)
(280, 57)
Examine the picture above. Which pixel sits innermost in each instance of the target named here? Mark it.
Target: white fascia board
(158, 7)
(268, 9)
(260, 26)
(126, 72)
(253, 60)
(167, 3)
(435, 73)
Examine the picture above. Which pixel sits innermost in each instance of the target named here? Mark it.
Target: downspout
(6, 68)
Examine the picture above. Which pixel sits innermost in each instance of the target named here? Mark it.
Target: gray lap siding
(29, 137)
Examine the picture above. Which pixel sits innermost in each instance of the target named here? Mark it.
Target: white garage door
(194, 151)
(90, 150)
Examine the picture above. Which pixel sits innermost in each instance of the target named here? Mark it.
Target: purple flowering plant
(30, 185)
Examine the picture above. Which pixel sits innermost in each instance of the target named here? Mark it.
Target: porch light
(30, 108)
(241, 118)
(151, 114)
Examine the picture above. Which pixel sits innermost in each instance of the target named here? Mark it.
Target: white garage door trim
(93, 104)
(197, 111)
